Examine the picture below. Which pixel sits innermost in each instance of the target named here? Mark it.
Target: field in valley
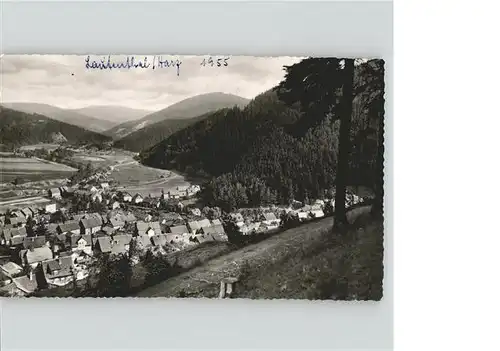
(22, 201)
(49, 147)
(128, 173)
(305, 262)
(102, 158)
(137, 178)
(31, 169)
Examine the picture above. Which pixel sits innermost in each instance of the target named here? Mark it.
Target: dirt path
(204, 281)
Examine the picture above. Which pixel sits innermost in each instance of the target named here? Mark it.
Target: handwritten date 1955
(215, 61)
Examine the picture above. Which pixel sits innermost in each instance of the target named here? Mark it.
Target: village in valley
(54, 243)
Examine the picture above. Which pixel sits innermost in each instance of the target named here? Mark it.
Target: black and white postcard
(192, 176)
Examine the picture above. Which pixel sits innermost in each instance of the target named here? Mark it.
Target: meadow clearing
(31, 169)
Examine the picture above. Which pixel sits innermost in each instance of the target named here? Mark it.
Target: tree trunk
(344, 144)
(378, 206)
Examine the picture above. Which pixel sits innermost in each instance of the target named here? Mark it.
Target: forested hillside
(216, 144)
(73, 117)
(154, 133)
(19, 128)
(274, 151)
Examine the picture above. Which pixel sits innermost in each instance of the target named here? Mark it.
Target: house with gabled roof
(11, 269)
(4, 279)
(159, 240)
(13, 236)
(193, 190)
(179, 229)
(129, 218)
(303, 216)
(182, 188)
(170, 218)
(116, 223)
(71, 226)
(59, 271)
(144, 241)
(237, 218)
(28, 212)
(269, 218)
(55, 193)
(18, 214)
(117, 244)
(5, 235)
(120, 243)
(103, 244)
(316, 207)
(193, 227)
(203, 238)
(34, 256)
(175, 194)
(50, 208)
(155, 226)
(20, 287)
(218, 228)
(137, 198)
(317, 213)
(141, 228)
(58, 243)
(195, 211)
(34, 242)
(64, 190)
(213, 229)
(78, 216)
(156, 193)
(79, 242)
(91, 188)
(149, 229)
(127, 197)
(17, 221)
(90, 225)
(52, 228)
(204, 223)
(96, 197)
(216, 222)
(115, 205)
(178, 238)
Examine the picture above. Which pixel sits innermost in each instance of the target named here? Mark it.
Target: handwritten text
(131, 62)
(104, 63)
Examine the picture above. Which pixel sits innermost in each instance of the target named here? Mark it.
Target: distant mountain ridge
(19, 128)
(112, 113)
(63, 115)
(186, 109)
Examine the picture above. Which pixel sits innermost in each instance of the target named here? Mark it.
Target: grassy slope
(303, 262)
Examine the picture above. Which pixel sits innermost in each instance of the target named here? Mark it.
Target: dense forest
(19, 128)
(215, 145)
(152, 134)
(323, 125)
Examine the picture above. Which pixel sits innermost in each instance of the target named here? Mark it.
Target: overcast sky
(64, 81)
